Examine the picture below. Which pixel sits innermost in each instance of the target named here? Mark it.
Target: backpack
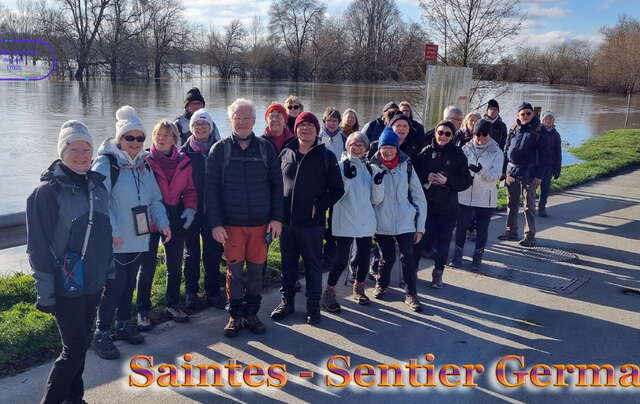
(114, 169)
(264, 154)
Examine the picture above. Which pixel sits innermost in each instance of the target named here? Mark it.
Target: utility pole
(626, 118)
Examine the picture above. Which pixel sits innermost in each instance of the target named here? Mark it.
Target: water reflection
(33, 112)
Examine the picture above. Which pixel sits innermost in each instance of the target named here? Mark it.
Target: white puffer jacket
(483, 192)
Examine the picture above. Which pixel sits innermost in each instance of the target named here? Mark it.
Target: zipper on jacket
(295, 181)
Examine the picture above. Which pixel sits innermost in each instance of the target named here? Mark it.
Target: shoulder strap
(114, 169)
(89, 224)
(409, 172)
(368, 165)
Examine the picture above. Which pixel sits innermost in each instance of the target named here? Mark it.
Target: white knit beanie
(201, 115)
(71, 131)
(548, 113)
(127, 119)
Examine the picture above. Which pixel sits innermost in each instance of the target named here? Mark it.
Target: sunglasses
(528, 113)
(293, 107)
(130, 138)
(445, 133)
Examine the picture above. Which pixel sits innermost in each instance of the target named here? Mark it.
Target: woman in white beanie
(69, 248)
(135, 201)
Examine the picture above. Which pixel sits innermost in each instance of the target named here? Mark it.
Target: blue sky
(549, 21)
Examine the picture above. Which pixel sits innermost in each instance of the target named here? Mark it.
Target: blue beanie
(388, 138)
(525, 105)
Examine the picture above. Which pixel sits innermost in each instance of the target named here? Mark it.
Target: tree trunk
(156, 73)
(82, 66)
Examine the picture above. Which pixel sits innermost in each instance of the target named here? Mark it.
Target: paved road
(563, 312)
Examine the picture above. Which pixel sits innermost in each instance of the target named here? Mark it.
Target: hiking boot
(144, 322)
(233, 327)
(358, 293)
(177, 315)
(192, 301)
(253, 323)
(127, 331)
(477, 260)
(436, 278)
(329, 301)
(378, 292)
(508, 235)
(456, 260)
(313, 311)
(542, 212)
(102, 343)
(528, 241)
(218, 301)
(413, 303)
(285, 308)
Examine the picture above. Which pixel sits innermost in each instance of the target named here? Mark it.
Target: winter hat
(276, 107)
(525, 105)
(127, 119)
(306, 117)
(193, 95)
(399, 117)
(448, 124)
(201, 115)
(71, 131)
(482, 126)
(389, 105)
(493, 104)
(389, 138)
(548, 113)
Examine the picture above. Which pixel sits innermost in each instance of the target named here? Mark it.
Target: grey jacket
(57, 217)
(136, 185)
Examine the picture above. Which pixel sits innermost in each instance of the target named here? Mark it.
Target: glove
(46, 309)
(475, 168)
(188, 215)
(377, 179)
(349, 170)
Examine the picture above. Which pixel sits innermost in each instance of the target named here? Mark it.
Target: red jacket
(181, 187)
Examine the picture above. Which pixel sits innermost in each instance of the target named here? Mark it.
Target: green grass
(602, 156)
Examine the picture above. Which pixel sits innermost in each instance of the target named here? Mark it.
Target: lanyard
(137, 180)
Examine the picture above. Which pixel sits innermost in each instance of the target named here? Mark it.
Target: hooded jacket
(396, 214)
(353, 214)
(452, 163)
(57, 218)
(483, 192)
(310, 180)
(136, 186)
(522, 150)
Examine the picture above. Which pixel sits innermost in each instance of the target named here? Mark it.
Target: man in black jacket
(312, 184)
(373, 129)
(498, 128)
(245, 210)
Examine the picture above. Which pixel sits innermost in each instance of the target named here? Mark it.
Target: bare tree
(617, 61)
(292, 22)
(166, 31)
(225, 50)
(327, 51)
(472, 31)
(553, 63)
(121, 25)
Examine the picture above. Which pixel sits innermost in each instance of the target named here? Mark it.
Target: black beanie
(448, 124)
(525, 105)
(389, 105)
(193, 95)
(493, 104)
(482, 126)
(400, 117)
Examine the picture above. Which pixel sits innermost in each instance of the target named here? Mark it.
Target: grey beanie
(548, 113)
(70, 131)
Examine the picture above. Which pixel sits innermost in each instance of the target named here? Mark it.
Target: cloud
(218, 13)
(535, 11)
(552, 38)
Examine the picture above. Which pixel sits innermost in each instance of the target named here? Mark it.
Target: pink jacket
(181, 187)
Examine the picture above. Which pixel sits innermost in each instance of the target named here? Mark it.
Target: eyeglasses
(528, 113)
(130, 138)
(444, 133)
(293, 107)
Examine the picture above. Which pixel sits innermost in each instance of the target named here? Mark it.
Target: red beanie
(306, 117)
(276, 107)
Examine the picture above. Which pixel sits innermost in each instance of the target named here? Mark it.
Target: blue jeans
(305, 242)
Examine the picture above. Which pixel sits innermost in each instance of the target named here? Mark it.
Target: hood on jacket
(109, 146)
(54, 173)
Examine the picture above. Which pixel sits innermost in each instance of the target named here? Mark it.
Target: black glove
(475, 168)
(377, 179)
(349, 170)
(46, 309)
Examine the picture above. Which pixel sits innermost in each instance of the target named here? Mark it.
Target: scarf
(487, 118)
(201, 147)
(167, 163)
(391, 164)
(279, 141)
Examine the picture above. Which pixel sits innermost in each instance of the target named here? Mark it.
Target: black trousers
(440, 230)
(173, 252)
(74, 317)
(119, 292)
(545, 186)
(306, 242)
(211, 257)
(409, 265)
(343, 252)
(482, 216)
(330, 247)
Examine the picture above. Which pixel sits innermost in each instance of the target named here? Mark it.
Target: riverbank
(28, 337)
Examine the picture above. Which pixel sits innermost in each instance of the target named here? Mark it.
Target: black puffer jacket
(198, 170)
(452, 163)
(373, 129)
(311, 180)
(57, 217)
(243, 191)
(498, 131)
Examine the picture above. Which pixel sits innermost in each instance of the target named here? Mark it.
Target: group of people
(336, 195)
